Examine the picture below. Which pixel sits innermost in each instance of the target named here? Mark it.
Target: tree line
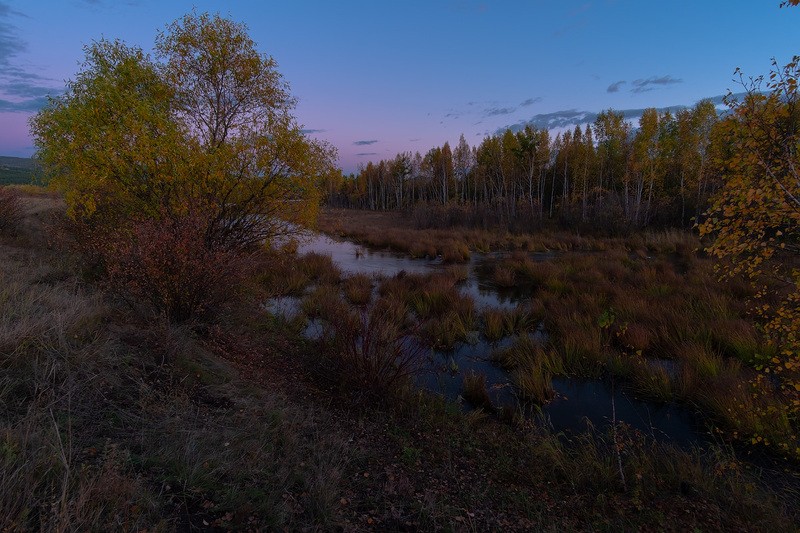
(661, 173)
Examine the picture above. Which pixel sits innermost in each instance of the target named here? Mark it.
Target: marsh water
(577, 403)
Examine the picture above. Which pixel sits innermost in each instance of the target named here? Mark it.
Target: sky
(375, 78)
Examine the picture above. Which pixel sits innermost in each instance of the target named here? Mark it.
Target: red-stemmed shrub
(166, 263)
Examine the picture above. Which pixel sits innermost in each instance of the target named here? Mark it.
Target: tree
(208, 127)
(755, 216)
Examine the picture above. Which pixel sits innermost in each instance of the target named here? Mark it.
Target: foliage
(167, 264)
(755, 217)
(202, 136)
(208, 124)
(604, 176)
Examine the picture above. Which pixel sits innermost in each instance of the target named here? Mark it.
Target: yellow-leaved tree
(754, 219)
(183, 161)
(208, 124)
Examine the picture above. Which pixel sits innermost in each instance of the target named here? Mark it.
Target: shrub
(167, 264)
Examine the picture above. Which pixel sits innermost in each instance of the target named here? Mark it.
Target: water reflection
(577, 401)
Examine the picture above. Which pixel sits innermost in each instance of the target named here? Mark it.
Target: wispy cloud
(364, 154)
(364, 143)
(531, 101)
(21, 91)
(497, 111)
(648, 84)
(311, 132)
(574, 117)
(556, 119)
(31, 105)
(614, 87)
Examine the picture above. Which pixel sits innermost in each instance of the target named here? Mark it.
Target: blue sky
(375, 78)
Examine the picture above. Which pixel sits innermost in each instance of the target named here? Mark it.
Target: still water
(578, 402)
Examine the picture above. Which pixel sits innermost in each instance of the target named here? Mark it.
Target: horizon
(376, 80)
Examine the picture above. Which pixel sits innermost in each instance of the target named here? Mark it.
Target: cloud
(498, 111)
(311, 132)
(644, 85)
(557, 119)
(413, 140)
(364, 154)
(10, 44)
(21, 91)
(5, 10)
(614, 87)
(531, 101)
(364, 143)
(574, 117)
(31, 105)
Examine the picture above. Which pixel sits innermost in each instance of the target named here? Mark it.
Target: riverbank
(115, 420)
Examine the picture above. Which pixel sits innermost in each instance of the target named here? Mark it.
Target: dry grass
(358, 289)
(106, 426)
(532, 368)
(10, 211)
(651, 297)
(370, 356)
(494, 324)
(114, 425)
(319, 268)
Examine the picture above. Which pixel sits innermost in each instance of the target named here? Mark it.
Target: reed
(319, 268)
(358, 289)
(493, 324)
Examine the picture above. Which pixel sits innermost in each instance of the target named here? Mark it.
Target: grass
(110, 422)
(10, 211)
(532, 368)
(358, 289)
(609, 305)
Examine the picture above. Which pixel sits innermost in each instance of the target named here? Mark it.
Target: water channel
(578, 402)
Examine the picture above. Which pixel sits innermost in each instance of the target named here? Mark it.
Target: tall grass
(371, 356)
(10, 210)
(532, 368)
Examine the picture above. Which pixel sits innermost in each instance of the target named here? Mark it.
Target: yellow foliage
(208, 127)
(755, 218)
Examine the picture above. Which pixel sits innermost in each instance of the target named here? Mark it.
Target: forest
(607, 174)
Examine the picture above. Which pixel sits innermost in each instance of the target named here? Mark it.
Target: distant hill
(18, 170)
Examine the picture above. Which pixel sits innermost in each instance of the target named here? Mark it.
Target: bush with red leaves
(166, 263)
